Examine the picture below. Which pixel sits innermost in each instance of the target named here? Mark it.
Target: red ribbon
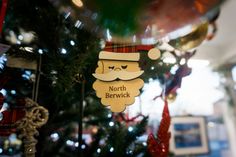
(126, 48)
(3, 13)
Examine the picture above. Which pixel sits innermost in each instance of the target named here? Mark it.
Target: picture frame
(189, 135)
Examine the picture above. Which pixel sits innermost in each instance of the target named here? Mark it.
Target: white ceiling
(222, 49)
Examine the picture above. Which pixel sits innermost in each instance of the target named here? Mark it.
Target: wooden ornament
(118, 94)
(117, 81)
(154, 54)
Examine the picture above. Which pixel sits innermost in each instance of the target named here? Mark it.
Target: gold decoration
(35, 117)
(192, 40)
(171, 97)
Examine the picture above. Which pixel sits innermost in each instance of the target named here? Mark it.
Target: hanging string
(3, 13)
(37, 80)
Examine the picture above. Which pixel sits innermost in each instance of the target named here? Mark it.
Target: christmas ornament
(35, 117)
(159, 147)
(140, 22)
(192, 40)
(117, 75)
(171, 97)
(117, 81)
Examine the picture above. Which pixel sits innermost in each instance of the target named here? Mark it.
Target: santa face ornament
(118, 81)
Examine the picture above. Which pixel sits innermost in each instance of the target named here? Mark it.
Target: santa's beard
(118, 94)
(122, 75)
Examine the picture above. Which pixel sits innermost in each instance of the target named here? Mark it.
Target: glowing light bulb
(111, 149)
(130, 129)
(99, 150)
(72, 43)
(40, 51)
(111, 124)
(83, 146)
(109, 115)
(63, 51)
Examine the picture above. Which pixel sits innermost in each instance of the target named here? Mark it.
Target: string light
(130, 129)
(83, 146)
(1, 150)
(99, 150)
(40, 51)
(111, 149)
(63, 51)
(78, 23)
(4, 92)
(13, 92)
(111, 124)
(54, 136)
(27, 74)
(109, 115)
(152, 68)
(144, 143)
(3, 60)
(76, 144)
(72, 43)
(67, 15)
(70, 143)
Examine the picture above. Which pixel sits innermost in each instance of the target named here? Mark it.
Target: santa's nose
(117, 69)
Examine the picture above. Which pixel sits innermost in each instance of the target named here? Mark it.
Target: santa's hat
(116, 52)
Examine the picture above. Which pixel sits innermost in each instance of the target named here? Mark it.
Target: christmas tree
(51, 59)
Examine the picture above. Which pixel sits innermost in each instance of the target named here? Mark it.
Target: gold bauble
(171, 97)
(192, 40)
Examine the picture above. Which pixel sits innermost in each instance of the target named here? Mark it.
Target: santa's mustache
(122, 75)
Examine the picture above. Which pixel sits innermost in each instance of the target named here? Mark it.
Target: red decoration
(9, 118)
(10, 115)
(126, 48)
(3, 13)
(159, 147)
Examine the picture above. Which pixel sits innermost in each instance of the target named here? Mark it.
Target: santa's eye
(124, 67)
(111, 67)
